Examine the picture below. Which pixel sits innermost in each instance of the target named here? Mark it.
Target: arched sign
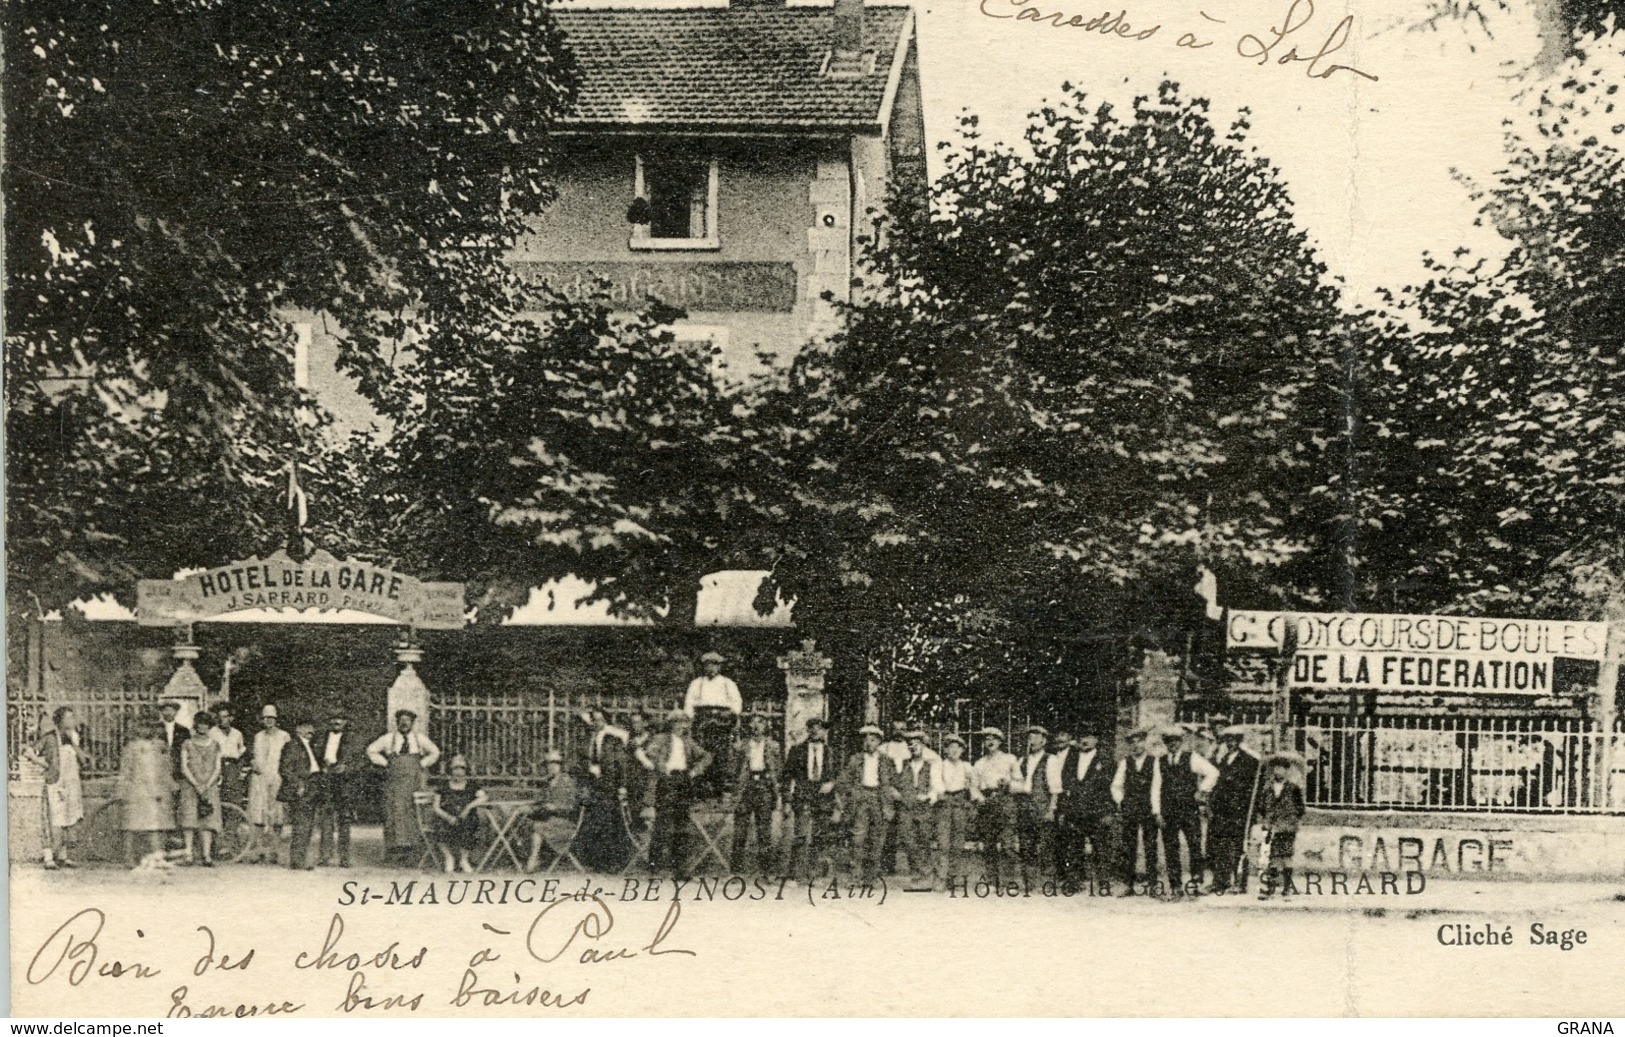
(320, 583)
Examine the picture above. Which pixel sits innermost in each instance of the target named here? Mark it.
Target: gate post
(803, 689)
(408, 691)
(184, 685)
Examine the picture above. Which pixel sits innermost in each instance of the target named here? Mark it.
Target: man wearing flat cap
(1029, 791)
(405, 754)
(1137, 788)
(1084, 809)
(301, 790)
(957, 799)
(917, 791)
(343, 760)
(756, 793)
(996, 771)
(675, 761)
(1187, 781)
(1229, 804)
(866, 797)
(810, 770)
(714, 703)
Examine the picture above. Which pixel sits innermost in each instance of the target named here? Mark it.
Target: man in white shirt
(1083, 809)
(343, 761)
(917, 791)
(406, 754)
(756, 789)
(957, 796)
(996, 820)
(301, 772)
(714, 703)
(1137, 788)
(675, 762)
(232, 749)
(711, 690)
(867, 791)
(1030, 793)
(1187, 781)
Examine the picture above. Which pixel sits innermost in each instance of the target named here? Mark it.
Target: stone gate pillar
(1158, 683)
(803, 689)
(408, 691)
(185, 686)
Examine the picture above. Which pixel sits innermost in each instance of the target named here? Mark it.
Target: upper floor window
(678, 192)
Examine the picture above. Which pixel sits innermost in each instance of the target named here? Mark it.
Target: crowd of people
(1059, 808)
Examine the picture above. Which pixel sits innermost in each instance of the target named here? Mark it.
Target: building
(726, 160)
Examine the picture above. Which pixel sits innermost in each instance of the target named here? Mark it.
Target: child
(1280, 809)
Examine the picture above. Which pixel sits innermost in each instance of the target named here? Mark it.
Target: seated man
(554, 815)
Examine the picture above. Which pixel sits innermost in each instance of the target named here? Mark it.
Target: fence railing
(1466, 764)
(506, 735)
(106, 716)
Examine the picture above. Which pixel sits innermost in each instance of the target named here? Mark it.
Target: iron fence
(106, 717)
(1470, 764)
(506, 735)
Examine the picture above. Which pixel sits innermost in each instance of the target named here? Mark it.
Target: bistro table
(502, 815)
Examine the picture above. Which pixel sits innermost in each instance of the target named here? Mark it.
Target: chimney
(848, 37)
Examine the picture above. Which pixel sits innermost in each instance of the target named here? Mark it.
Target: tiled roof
(724, 67)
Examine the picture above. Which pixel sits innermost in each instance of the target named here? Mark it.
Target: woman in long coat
(146, 787)
(406, 755)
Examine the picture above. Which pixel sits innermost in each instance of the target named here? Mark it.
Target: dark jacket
(796, 786)
(294, 767)
(1279, 813)
(1090, 796)
(182, 733)
(772, 754)
(850, 781)
(345, 777)
(613, 759)
(1234, 791)
(911, 786)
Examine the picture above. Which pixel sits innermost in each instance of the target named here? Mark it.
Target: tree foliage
(571, 439)
(1499, 404)
(1104, 353)
(183, 176)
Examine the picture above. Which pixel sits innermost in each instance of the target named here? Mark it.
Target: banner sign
(704, 286)
(321, 583)
(1527, 675)
(1420, 635)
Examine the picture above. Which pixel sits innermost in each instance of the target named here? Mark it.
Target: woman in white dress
(264, 782)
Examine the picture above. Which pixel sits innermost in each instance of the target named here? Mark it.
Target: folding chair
(639, 840)
(567, 851)
(423, 811)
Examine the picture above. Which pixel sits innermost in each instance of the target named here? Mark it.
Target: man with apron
(405, 754)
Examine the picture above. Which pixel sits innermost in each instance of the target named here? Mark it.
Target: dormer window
(678, 195)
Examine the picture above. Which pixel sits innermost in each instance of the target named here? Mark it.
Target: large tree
(184, 177)
(1498, 396)
(573, 439)
(1104, 355)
